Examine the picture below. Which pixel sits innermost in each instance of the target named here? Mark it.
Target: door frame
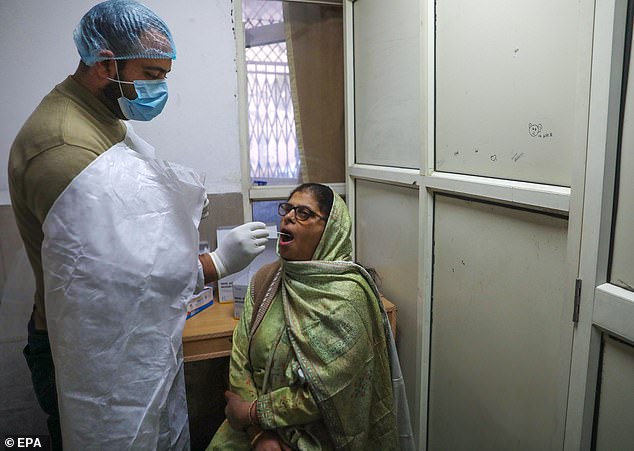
(603, 306)
(567, 201)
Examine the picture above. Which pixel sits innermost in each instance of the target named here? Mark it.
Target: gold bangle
(251, 422)
(255, 438)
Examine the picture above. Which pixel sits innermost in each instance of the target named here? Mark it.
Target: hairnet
(126, 28)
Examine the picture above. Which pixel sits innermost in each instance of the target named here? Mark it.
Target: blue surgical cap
(126, 28)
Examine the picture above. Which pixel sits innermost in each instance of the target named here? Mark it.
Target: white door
(511, 102)
(601, 413)
(467, 128)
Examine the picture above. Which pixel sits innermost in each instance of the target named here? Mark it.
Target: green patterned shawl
(338, 331)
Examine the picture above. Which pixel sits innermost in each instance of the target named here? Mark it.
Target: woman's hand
(269, 441)
(237, 411)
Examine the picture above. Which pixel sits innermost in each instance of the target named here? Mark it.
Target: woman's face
(302, 237)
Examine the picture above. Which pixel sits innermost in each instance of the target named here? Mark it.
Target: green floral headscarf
(335, 243)
(338, 332)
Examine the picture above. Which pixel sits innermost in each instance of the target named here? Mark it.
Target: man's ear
(106, 68)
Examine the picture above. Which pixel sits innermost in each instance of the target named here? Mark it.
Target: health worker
(111, 233)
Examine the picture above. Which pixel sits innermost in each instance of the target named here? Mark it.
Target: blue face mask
(151, 97)
(150, 100)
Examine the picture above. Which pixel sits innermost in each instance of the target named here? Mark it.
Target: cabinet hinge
(575, 311)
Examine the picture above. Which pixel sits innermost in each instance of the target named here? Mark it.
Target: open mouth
(285, 237)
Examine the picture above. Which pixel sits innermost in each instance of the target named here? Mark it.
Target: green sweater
(65, 133)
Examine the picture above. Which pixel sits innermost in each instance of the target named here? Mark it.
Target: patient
(313, 356)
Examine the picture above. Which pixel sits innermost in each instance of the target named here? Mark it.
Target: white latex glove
(241, 245)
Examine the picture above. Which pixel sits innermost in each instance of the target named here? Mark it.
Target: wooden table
(208, 334)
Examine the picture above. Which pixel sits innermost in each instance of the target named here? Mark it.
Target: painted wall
(199, 125)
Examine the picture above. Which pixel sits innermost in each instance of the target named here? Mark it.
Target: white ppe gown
(120, 261)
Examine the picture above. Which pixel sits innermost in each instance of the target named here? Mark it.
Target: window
(294, 105)
(273, 150)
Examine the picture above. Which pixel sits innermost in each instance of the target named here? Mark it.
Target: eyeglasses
(302, 212)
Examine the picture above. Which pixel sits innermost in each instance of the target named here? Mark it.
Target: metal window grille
(273, 149)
